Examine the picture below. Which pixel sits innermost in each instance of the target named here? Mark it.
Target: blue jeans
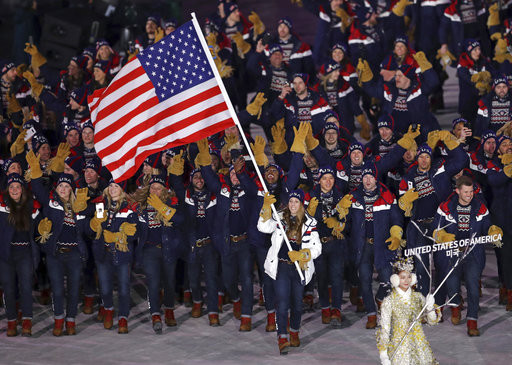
(365, 276)
(89, 279)
(472, 273)
(204, 258)
(18, 266)
(106, 271)
(266, 281)
(159, 271)
(416, 239)
(237, 267)
(329, 270)
(289, 291)
(69, 265)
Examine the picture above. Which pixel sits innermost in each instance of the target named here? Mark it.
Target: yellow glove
(433, 138)
(13, 106)
(37, 59)
(19, 144)
(313, 204)
(131, 56)
(406, 200)
(80, 202)
(496, 36)
(255, 107)
(232, 142)
(95, 225)
(475, 77)
(366, 130)
(241, 44)
(37, 88)
(446, 59)
(266, 211)
(485, 76)
(422, 61)
(303, 256)
(336, 226)
(118, 238)
(494, 15)
(441, 236)
(346, 20)
(407, 141)
(159, 34)
(258, 149)
(343, 205)
(311, 142)
(448, 139)
(506, 159)
(110, 237)
(299, 142)
(34, 165)
(483, 87)
(203, 158)
(508, 170)
(278, 133)
(400, 6)
(259, 27)
(297, 2)
(57, 163)
(177, 166)
(225, 70)
(44, 228)
(364, 71)
(395, 238)
(166, 211)
(495, 230)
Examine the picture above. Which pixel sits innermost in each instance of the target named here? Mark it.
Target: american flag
(165, 97)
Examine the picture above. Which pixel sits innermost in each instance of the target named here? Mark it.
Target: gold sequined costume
(398, 311)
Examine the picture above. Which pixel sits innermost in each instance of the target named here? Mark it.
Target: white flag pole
(242, 134)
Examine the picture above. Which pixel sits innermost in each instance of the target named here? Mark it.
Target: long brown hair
(20, 213)
(294, 228)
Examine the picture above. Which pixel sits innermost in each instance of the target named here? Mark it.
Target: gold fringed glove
(407, 141)
(80, 202)
(346, 20)
(255, 107)
(441, 236)
(37, 88)
(19, 144)
(57, 162)
(495, 230)
(336, 226)
(364, 71)
(303, 256)
(446, 59)
(494, 15)
(258, 149)
(506, 159)
(177, 166)
(313, 204)
(449, 140)
(343, 205)
(95, 225)
(266, 210)
(159, 34)
(132, 55)
(508, 170)
(395, 238)
(231, 142)
(432, 139)
(37, 59)
(311, 142)
(13, 106)
(366, 130)
(44, 228)
(483, 87)
(259, 27)
(299, 142)
(34, 165)
(241, 44)
(399, 8)
(166, 211)
(126, 229)
(297, 2)
(225, 70)
(118, 238)
(422, 61)
(406, 201)
(279, 145)
(203, 158)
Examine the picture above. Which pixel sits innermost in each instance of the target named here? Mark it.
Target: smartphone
(100, 210)
(31, 40)
(266, 38)
(30, 133)
(414, 127)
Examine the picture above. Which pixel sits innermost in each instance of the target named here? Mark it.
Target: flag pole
(242, 134)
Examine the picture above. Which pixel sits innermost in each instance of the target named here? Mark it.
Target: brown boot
(336, 318)
(108, 318)
(70, 328)
(57, 328)
(220, 302)
(12, 328)
(379, 303)
(88, 304)
(122, 326)
(187, 298)
(353, 295)
(509, 300)
(271, 322)
(455, 315)
(326, 315)
(503, 295)
(237, 309)
(372, 322)
(101, 314)
(26, 328)
(196, 310)
(284, 345)
(360, 305)
(170, 321)
(157, 324)
(294, 339)
(214, 319)
(245, 324)
(308, 301)
(472, 328)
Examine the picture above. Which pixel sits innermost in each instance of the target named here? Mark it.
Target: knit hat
(401, 39)
(155, 19)
(355, 146)
(304, 77)
(7, 164)
(231, 8)
(471, 44)
(488, 135)
(331, 125)
(277, 167)
(324, 171)
(193, 172)
(500, 140)
(330, 114)
(386, 120)
(341, 46)
(89, 51)
(424, 148)
(369, 168)
(79, 95)
(171, 23)
(7, 66)
(37, 141)
(88, 124)
(32, 123)
(68, 127)
(100, 43)
(76, 163)
(161, 179)
(500, 79)
(273, 48)
(457, 121)
(93, 164)
(102, 65)
(298, 194)
(286, 21)
(122, 184)
(332, 66)
(81, 61)
(15, 178)
(154, 160)
(363, 13)
(65, 178)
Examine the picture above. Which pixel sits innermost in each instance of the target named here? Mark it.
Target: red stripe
(123, 80)
(155, 119)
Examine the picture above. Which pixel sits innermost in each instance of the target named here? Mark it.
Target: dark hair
(20, 213)
(463, 180)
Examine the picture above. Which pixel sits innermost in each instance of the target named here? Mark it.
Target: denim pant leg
(152, 267)
(73, 266)
(209, 260)
(56, 274)
(88, 278)
(336, 263)
(24, 269)
(416, 239)
(169, 281)
(472, 274)
(453, 284)
(384, 285)
(268, 282)
(297, 291)
(8, 280)
(123, 283)
(194, 267)
(106, 280)
(322, 276)
(230, 274)
(365, 277)
(245, 261)
(282, 289)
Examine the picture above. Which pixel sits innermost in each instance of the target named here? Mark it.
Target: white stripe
(34, 215)
(448, 217)
(324, 16)
(481, 216)
(346, 92)
(364, 41)
(385, 14)
(301, 55)
(4, 209)
(379, 208)
(414, 94)
(481, 12)
(434, 3)
(320, 110)
(123, 214)
(453, 18)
